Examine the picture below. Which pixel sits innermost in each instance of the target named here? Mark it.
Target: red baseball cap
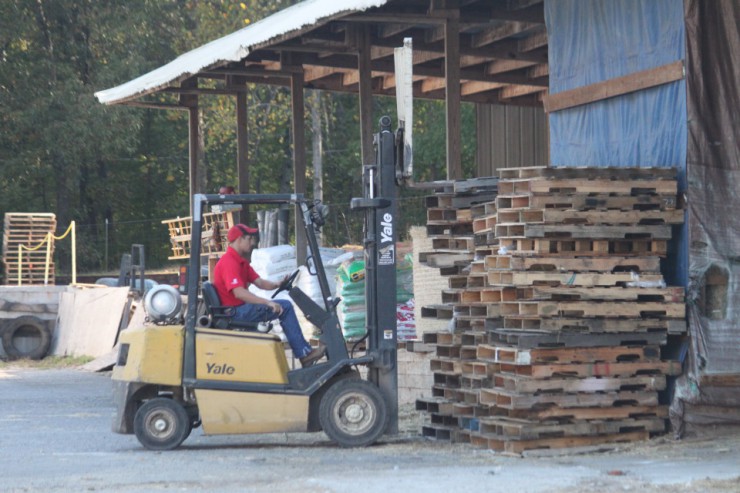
(239, 230)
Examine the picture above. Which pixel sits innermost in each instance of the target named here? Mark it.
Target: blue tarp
(597, 40)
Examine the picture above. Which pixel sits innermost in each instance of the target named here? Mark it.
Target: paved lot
(55, 436)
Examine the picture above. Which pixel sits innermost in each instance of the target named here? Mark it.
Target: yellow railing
(47, 241)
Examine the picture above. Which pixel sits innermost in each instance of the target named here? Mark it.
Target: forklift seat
(222, 316)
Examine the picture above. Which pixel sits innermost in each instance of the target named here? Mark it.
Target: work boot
(312, 357)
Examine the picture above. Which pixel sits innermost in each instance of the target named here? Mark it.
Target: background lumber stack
(29, 230)
(215, 227)
(576, 314)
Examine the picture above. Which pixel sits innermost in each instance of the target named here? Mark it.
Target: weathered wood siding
(509, 137)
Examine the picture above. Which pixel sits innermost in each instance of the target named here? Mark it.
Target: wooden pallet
(28, 230)
(520, 430)
(607, 173)
(520, 356)
(671, 294)
(526, 385)
(565, 278)
(588, 325)
(584, 247)
(434, 405)
(588, 217)
(587, 186)
(440, 312)
(583, 413)
(607, 309)
(601, 369)
(438, 432)
(453, 243)
(594, 309)
(446, 365)
(587, 202)
(438, 216)
(475, 310)
(520, 446)
(528, 340)
(513, 400)
(575, 264)
(450, 229)
(582, 231)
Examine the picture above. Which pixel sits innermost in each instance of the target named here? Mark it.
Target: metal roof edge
(234, 46)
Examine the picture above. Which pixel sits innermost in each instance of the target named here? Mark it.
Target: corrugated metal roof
(235, 46)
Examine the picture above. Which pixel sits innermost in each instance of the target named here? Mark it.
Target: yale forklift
(170, 378)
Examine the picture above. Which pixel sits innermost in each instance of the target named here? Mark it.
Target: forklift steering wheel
(286, 285)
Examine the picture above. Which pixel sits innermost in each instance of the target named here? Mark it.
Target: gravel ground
(55, 436)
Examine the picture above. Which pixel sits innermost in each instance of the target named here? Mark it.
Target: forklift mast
(379, 203)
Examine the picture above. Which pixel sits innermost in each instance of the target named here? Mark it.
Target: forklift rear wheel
(162, 424)
(353, 413)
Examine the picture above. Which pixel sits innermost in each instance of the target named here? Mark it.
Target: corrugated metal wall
(509, 137)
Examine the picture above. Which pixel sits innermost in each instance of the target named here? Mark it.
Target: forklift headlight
(163, 303)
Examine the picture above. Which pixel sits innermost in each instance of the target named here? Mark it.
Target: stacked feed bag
(405, 321)
(350, 282)
(351, 289)
(274, 263)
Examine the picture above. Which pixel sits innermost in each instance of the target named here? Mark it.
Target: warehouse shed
(569, 83)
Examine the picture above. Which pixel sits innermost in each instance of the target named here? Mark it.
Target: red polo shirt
(232, 271)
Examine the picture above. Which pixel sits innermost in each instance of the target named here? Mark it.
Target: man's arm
(248, 297)
(266, 284)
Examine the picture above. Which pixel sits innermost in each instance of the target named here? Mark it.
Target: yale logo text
(386, 234)
(224, 369)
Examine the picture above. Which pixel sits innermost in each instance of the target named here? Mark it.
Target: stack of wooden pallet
(215, 227)
(576, 314)
(29, 230)
(450, 228)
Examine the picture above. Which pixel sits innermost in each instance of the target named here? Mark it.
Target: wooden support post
(242, 149)
(299, 159)
(191, 102)
(365, 94)
(452, 96)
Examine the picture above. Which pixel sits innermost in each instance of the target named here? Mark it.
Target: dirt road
(55, 437)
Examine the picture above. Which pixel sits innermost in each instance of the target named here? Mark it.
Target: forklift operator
(231, 278)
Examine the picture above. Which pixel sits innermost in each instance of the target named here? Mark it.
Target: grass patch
(48, 363)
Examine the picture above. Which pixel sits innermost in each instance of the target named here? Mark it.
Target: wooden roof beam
(534, 41)
(506, 50)
(501, 66)
(388, 30)
(511, 92)
(476, 87)
(389, 80)
(507, 30)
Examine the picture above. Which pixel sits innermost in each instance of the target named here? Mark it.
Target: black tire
(162, 424)
(26, 325)
(353, 413)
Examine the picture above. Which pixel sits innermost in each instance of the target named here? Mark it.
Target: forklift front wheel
(353, 413)
(162, 424)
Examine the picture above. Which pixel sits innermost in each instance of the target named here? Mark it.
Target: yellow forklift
(171, 377)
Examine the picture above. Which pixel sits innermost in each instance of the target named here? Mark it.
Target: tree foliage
(119, 171)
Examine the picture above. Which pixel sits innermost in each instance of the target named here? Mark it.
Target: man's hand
(275, 307)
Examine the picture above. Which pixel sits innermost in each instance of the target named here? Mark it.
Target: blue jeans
(288, 321)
